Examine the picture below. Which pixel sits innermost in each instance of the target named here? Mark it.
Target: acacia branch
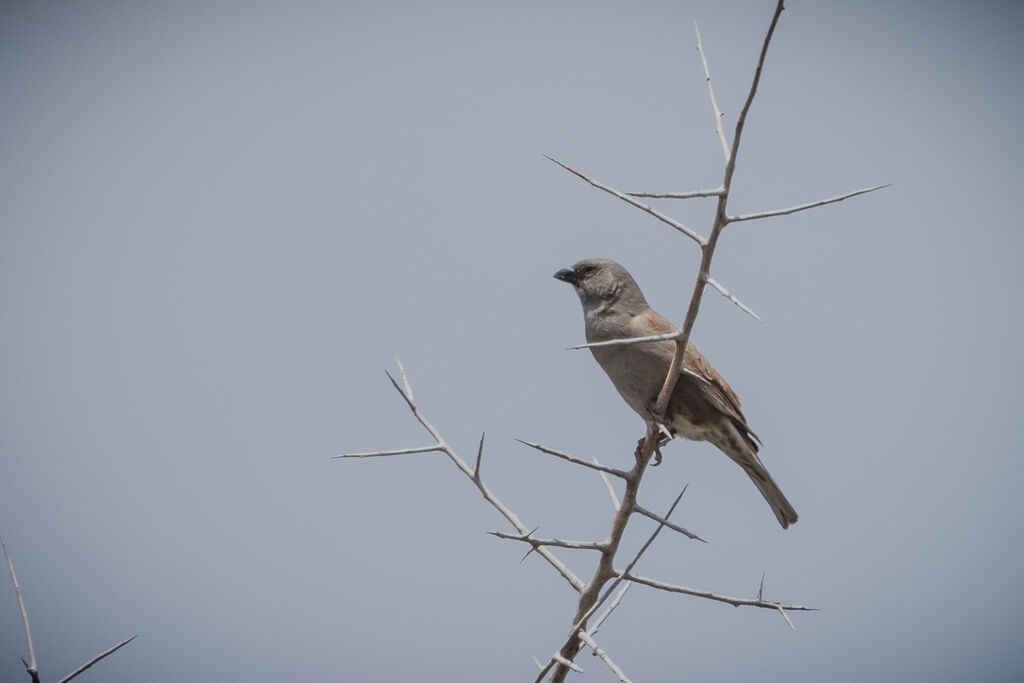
(803, 207)
(97, 658)
(598, 652)
(724, 292)
(577, 461)
(629, 200)
(398, 451)
(708, 595)
(711, 93)
(717, 192)
(611, 490)
(474, 476)
(536, 542)
(592, 597)
(671, 525)
(30, 666)
(708, 247)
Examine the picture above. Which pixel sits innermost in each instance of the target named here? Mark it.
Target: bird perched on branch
(702, 407)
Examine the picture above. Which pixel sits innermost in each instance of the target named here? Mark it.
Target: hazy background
(222, 221)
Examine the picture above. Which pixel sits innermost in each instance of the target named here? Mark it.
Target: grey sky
(222, 221)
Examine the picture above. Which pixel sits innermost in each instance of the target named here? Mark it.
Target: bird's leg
(651, 443)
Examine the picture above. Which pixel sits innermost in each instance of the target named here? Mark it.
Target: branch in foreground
(30, 666)
(671, 525)
(598, 652)
(589, 600)
(803, 207)
(97, 658)
(643, 207)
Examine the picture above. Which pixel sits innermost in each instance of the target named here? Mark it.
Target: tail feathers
(743, 451)
(784, 512)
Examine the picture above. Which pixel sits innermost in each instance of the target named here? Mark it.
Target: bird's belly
(682, 427)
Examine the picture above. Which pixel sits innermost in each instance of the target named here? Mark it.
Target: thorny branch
(405, 391)
(30, 666)
(593, 593)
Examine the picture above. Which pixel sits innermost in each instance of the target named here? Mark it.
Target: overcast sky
(221, 222)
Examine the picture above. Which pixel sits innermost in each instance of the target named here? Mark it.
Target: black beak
(567, 275)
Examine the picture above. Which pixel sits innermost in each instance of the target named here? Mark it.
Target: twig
(708, 595)
(711, 92)
(724, 292)
(31, 667)
(671, 525)
(578, 461)
(383, 454)
(535, 542)
(608, 485)
(486, 492)
(596, 626)
(405, 380)
(589, 640)
(626, 198)
(565, 662)
(717, 192)
(95, 659)
(479, 455)
(626, 342)
(803, 207)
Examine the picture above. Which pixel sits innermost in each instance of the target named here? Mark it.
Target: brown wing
(704, 393)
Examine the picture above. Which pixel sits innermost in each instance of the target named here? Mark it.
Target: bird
(702, 407)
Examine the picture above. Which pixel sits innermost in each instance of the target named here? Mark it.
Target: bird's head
(601, 282)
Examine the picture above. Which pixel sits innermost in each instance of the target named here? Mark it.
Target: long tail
(743, 451)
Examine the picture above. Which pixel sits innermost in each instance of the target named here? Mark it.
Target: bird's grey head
(601, 282)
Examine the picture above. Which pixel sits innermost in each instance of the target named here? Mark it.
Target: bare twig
(589, 640)
(31, 666)
(717, 192)
(405, 380)
(711, 92)
(578, 461)
(626, 342)
(667, 336)
(611, 489)
(535, 542)
(626, 198)
(589, 600)
(724, 292)
(384, 454)
(97, 658)
(596, 626)
(708, 595)
(479, 455)
(671, 525)
(803, 207)
(567, 663)
(486, 492)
